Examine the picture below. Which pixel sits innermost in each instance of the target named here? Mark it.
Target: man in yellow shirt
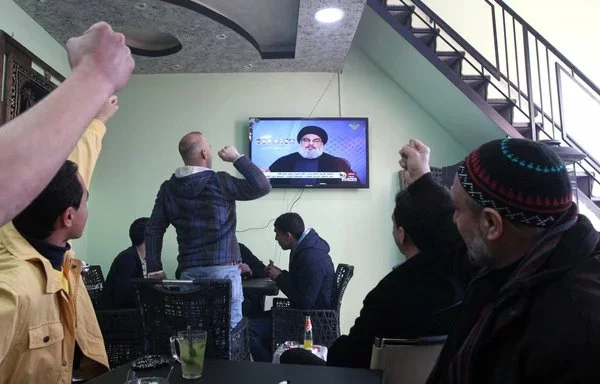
(44, 306)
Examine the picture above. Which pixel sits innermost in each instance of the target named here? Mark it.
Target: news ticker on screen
(312, 175)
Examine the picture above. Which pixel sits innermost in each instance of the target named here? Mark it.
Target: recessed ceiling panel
(238, 36)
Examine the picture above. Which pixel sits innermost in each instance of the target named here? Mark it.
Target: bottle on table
(308, 333)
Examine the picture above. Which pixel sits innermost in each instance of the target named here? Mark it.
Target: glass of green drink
(191, 352)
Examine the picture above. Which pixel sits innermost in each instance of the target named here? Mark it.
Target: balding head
(195, 150)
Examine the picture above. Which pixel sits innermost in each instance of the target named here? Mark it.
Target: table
(255, 291)
(229, 371)
(260, 287)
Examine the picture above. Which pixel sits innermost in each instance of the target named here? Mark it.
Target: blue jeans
(229, 272)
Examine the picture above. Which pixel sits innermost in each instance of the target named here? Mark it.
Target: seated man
(532, 313)
(45, 310)
(310, 157)
(420, 297)
(251, 265)
(309, 284)
(118, 291)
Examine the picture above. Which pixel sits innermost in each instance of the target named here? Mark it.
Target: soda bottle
(308, 334)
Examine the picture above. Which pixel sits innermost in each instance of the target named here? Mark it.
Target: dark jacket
(325, 163)
(420, 297)
(545, 330)
(118, 292)
(257, 267)
(201, 207)
(310, 282)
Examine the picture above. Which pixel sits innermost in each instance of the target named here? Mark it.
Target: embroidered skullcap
(524, 181)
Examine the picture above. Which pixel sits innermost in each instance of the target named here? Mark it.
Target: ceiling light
(329, 15)
(141, 5)
(221, 36)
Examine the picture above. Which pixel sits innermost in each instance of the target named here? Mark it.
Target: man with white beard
(311, 157)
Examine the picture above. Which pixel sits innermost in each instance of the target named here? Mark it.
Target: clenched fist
(101, 52)
(109, 109)
(414, 160)
(229, 154)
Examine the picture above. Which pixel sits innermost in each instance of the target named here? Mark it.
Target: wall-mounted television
(311, 153)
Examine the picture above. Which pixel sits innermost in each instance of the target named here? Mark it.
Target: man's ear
(491, 223)
(66, 218)
(400, 234)
(204, 153)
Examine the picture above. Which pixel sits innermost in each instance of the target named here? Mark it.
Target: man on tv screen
(311, 157)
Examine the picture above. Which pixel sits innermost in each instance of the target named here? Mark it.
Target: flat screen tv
(311, 153)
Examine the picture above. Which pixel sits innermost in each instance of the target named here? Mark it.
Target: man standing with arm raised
(200, 204)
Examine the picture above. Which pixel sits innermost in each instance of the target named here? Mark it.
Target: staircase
(518, 83)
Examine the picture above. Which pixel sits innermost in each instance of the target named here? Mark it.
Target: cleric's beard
(310, 153)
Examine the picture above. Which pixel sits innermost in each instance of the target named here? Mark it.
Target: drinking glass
(191, 352)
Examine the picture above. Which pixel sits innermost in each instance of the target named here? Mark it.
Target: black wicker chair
(170, 306)
(93, 278)
(288, 323)
(123, 332)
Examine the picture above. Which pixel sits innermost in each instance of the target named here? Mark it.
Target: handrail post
(530, 97)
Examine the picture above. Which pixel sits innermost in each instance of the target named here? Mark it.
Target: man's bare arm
(34, 145)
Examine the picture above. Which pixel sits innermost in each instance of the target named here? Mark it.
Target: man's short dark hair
(64, 191)
(409, 217)
(137, 230)
(290, 222)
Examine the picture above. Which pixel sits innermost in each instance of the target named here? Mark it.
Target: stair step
(525, 129)
(478, 83)
(452, 59)
(402, 13)
(504, 107)
(427, 36)
(585, 183)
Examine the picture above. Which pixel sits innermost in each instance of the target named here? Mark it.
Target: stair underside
(478, 83)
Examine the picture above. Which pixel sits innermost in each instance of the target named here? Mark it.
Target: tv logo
(354, 126)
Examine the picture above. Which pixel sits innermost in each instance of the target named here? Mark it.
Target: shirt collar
(53, 253)
(303, 235)
(19, 248)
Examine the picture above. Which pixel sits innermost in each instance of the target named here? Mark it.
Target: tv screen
(316, 153)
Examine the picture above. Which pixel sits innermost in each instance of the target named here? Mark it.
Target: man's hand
(157, 276)
(229, 154)
(414, 160)
(273, 272)
(109, 109)
(245, 269)
(101, 52)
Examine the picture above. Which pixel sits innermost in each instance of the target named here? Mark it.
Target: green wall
(140, 151)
